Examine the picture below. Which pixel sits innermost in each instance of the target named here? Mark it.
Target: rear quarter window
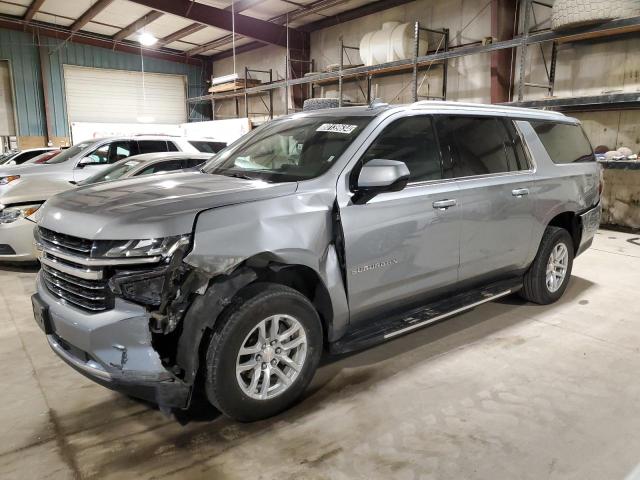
(565, 143)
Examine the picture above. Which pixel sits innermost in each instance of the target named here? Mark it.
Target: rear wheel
(548, 276)
(264, 353)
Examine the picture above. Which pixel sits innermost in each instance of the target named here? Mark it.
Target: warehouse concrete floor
(509, 390)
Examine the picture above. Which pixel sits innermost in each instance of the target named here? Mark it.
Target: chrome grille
(65, 243)
(67, 274)
(90, 295)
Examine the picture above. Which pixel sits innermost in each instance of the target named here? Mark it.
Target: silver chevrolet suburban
(333, 229)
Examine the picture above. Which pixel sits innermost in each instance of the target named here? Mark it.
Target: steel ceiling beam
(236, 7)
(32, 10)
(309, 9)
(304, 11)
(183, 32)
(89, 14)
(137, 25)
(254, 28)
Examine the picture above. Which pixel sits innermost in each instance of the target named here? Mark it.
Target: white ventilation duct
(394, 41)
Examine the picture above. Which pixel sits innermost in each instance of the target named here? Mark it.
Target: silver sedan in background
(16, 227)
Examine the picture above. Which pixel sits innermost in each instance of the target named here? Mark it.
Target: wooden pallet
(235, 85)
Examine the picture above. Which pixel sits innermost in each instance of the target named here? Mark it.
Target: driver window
(100, 154)
(120, 150)
(410, 140)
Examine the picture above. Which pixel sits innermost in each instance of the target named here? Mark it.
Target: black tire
(250, 306)
(535, 285)
(319, 104)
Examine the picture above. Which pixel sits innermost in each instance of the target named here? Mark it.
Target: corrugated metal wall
(21, 49)
(22, 53)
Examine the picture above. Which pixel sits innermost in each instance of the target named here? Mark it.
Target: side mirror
(378, 176)
(11, 162)
(86, 161)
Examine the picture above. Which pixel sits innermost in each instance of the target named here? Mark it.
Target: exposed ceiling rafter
(183, 32)
(89, 14)
(254, 28)
(32, 10)
(137, 25)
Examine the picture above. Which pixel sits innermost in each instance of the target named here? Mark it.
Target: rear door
(495, 181)
(400, 246)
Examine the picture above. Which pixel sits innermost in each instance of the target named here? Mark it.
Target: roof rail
(155, 135)
(484, 106)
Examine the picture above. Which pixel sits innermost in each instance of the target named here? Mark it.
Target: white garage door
(121, 96)
(7, 126)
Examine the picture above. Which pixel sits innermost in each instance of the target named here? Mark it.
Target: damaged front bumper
(113, 348)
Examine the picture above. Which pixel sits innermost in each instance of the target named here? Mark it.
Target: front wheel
(264, 352)
(548, 276)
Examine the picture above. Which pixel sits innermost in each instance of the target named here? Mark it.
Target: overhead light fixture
(147, 39)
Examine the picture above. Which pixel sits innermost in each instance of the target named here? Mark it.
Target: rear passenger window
(412, 141)
(565, 143)
(475, 146)
(152, 146)
(207, 147)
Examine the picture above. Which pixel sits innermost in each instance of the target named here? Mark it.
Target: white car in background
(19, 157)
(23, 189)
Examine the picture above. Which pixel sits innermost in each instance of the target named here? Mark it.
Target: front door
(401, 246)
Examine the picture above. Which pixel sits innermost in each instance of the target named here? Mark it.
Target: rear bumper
(590, 221)
(113, 349)
(16, 241)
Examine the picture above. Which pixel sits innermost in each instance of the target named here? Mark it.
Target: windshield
(114, 172)
(290, 150)
(68, 153)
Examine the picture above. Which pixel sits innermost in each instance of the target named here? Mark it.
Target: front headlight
(9, 179)
(152, 247)
(11, 214)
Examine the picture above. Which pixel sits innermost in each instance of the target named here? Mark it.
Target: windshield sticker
(336, 128)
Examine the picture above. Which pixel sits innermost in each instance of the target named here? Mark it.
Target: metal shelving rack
(527, 39)
(382, 69)
(243, 93)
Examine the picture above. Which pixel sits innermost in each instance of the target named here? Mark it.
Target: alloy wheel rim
(557, 267)
(271, 357)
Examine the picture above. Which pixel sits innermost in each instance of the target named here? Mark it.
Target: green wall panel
(21, 49)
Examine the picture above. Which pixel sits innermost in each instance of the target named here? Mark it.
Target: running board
(379, 331)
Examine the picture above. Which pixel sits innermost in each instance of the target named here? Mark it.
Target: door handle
(444, 204)
(520, 192)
